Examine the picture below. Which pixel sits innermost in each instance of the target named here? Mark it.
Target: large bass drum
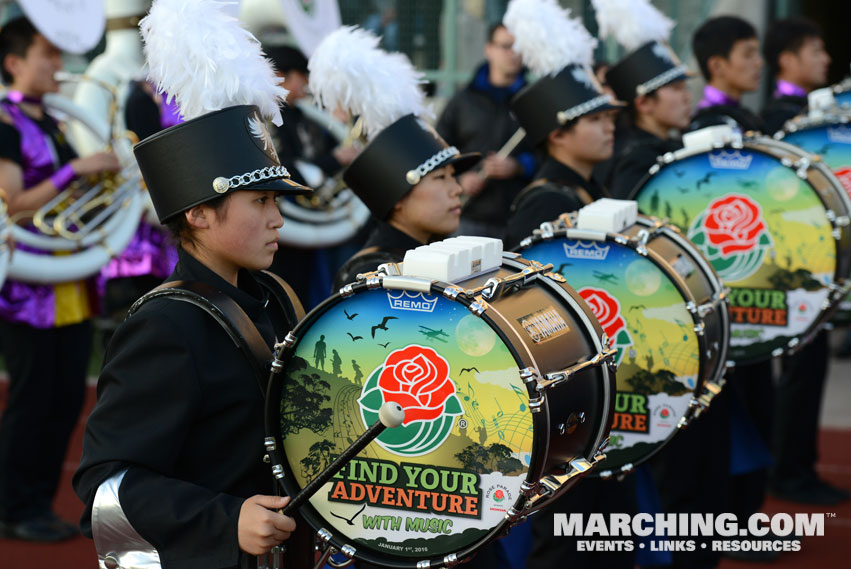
(842, 93)
(665, 312)
(829, 136)
(508, 394)
(771, 219)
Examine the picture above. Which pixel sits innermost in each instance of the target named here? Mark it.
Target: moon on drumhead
(474, 336)
(782, 184)
(642, 277)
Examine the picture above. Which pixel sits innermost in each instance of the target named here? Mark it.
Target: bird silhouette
(706, 179)
(745, 183)
(682, 190)
(470, 369)
(637, 307)
(350, 521)
(383, 325)
(354, 338)
(679, 173)
(349, 316)
(562, 267)
(384, 345)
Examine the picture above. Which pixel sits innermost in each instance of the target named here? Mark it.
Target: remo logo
(732, 236)
(417, 378)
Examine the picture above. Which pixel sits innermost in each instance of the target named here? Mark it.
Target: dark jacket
(732, 115)
(478, 119)
(180, 407)
(778, 110)
(386, 244)
(556, 189)
(638, 153)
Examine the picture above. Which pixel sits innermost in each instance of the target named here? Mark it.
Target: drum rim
(685, 293)
(748, 143)
(540, 441)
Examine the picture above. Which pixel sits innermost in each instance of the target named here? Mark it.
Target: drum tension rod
(557, 377)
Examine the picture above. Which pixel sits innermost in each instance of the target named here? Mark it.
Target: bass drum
(508, 395)
(665, 357)
(829, 136)
(842, 94)
(772, 220)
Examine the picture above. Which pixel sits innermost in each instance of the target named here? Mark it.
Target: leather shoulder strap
(284, 294)
(227, 313)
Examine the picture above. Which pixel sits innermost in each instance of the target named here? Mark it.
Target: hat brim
(462, 162)
(281, 185)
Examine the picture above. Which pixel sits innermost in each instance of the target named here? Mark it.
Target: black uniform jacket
(727, 114)
(386, 244)
(180, 407)
(778, 110)
(557, 189)
(638, 153)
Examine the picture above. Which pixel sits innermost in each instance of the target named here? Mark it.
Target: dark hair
(16, 37)
(180, 230)
(787, 35)
(717, 37)
(287, 58)
(492, 30)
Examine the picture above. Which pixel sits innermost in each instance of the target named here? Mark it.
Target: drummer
(798, 62)
(727, 51)
(795, 54)
(415, 198)
(176, 434)
(652, 82)
(571, 120)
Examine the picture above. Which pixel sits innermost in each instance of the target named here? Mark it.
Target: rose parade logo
(417, 378)
(607, 309)
(732, 236)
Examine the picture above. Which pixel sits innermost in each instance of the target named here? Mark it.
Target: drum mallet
(390, 415)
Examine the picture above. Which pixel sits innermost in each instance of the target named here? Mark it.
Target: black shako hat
(287, 58)
(651, 66)
(209, 156)
(555, 100)
(397, 159)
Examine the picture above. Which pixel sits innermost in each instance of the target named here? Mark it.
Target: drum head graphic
(443, 480)
(644, 314)
(764, 230)
(829, 138)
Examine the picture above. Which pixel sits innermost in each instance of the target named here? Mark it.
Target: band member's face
(742, 69)
(244, 233)
(34, 73)
(500, 53)
(432, 208)
(670, 106)
(591, 139)
(296, 83)
(808, 66)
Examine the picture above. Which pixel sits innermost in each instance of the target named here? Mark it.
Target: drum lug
(557, 377)
(423, 564)
(699, 328)
(450, 560)
(535, 404)
(452, 291)
(556, 277)
(529, 375)
(324, 535)
(269, 443)
(278, 471)
(347, 291)
(478, 308)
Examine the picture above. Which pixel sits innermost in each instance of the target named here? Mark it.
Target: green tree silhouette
(302, 401)
(495, 458)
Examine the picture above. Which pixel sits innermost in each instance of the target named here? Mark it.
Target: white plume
(632, 23)
(546, 37)
(202, 56)
(349, 70)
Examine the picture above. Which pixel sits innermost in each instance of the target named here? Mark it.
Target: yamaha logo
(415, 301)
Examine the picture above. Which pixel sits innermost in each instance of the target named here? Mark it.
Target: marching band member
(565, 114)
(173, 451)
(45, 330)
(406, 173)
(727, 51)
(652, 82)
(795, 54)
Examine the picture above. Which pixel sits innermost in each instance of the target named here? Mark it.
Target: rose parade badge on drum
(773, 224)
(641, 304)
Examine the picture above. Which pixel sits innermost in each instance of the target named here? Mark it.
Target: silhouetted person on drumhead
(358, 373)
(319, 353)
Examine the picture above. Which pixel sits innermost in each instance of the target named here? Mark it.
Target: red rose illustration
(417, 378)
(733, 224)
(606, 308)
